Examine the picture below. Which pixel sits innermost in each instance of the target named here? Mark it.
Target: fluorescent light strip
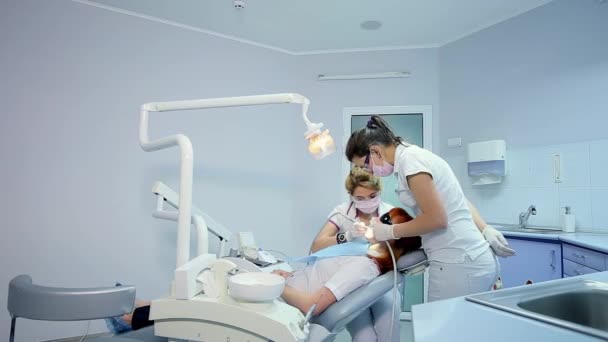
(392, 74)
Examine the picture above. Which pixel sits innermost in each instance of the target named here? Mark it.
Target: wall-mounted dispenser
(487, 161)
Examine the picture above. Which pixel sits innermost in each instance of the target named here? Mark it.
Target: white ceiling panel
(313, 26)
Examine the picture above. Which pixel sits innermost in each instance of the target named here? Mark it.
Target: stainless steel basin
(586, 307)
(518, 229)
(575, 304)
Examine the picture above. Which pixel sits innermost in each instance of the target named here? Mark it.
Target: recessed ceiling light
(371, 25)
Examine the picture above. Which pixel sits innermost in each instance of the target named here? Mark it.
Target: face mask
(368, 206)
(383, 170)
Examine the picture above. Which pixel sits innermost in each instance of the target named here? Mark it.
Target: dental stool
(334, 319)
(35, 302)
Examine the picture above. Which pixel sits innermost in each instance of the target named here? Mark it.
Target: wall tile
(541, 167)
(598, 156)
(518, 169)
(546, 202)
(575, 164)
(599, 208)
(495, 201)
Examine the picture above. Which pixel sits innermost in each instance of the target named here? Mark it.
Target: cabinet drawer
(585, 257)
(574, 269)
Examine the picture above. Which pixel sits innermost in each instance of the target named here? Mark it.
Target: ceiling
(322, 26)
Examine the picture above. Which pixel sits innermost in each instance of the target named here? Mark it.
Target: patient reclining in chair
(328, 280)
(323, 282)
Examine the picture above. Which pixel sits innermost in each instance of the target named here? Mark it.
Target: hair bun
(371, 123)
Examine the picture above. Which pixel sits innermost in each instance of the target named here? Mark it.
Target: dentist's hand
(357, 231)
(378, 231)
(361, 230)
(497, 242)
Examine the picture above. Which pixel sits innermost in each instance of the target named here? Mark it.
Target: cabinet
(579, 260)
(536, 260)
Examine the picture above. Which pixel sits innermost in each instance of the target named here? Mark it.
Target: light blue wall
(76, 204)
(539, 81)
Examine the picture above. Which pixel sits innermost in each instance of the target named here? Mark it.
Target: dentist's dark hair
(375, 132)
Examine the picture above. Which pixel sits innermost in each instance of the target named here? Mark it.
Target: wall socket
(455, 142)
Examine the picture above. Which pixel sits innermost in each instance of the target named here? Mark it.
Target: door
(413, 124)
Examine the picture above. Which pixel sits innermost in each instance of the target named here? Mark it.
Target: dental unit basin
(575, 304)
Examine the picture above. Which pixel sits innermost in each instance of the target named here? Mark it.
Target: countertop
(457, 319)
(595, 241)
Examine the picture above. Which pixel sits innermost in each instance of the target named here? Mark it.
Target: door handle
(553, 259)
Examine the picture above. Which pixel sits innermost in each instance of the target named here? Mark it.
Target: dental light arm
(320, 145)
(201, 220)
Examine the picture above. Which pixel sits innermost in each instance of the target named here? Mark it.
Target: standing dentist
(461, 260)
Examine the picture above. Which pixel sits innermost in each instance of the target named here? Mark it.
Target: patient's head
(400, 247)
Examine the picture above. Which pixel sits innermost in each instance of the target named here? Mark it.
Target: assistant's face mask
(368, 206)
(383, 170)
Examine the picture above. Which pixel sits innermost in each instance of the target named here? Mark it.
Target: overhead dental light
(320, 145)
(205, 275)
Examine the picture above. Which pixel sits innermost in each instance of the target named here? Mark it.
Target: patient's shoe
(116, 324)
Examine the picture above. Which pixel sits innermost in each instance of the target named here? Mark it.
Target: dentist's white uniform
(461, 261)
(373, 324)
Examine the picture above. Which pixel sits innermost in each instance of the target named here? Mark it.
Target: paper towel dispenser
(487, 161)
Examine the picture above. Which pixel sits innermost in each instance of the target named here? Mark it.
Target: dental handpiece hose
(394, 268)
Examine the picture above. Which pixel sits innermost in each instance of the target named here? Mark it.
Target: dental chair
(335, 318)
(28, 300)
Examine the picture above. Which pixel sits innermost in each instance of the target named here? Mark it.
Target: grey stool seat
(28, 300)
(338, 315)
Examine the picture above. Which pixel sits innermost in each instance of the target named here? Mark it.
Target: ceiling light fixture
(376, 75)
(371, 25)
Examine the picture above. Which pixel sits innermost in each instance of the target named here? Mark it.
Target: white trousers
(448, 280)
(374, 324)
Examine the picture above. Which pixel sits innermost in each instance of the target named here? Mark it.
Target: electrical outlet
(454, 142)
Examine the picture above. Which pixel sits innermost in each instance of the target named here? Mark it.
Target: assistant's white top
(348, 209)
(461, 237)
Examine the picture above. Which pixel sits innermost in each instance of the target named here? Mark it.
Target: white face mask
(368, 206)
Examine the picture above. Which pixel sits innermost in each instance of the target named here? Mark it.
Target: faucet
(524, 216)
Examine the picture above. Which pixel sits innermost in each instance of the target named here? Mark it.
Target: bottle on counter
(567, 222)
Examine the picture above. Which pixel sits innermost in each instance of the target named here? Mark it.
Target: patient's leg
(304, 300)
(361, 329)
(383, 314)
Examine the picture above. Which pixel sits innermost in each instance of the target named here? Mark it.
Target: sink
(586, 307)
(575, 304)
(518, 229)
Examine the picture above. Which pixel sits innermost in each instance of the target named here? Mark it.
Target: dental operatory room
(313, 170)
